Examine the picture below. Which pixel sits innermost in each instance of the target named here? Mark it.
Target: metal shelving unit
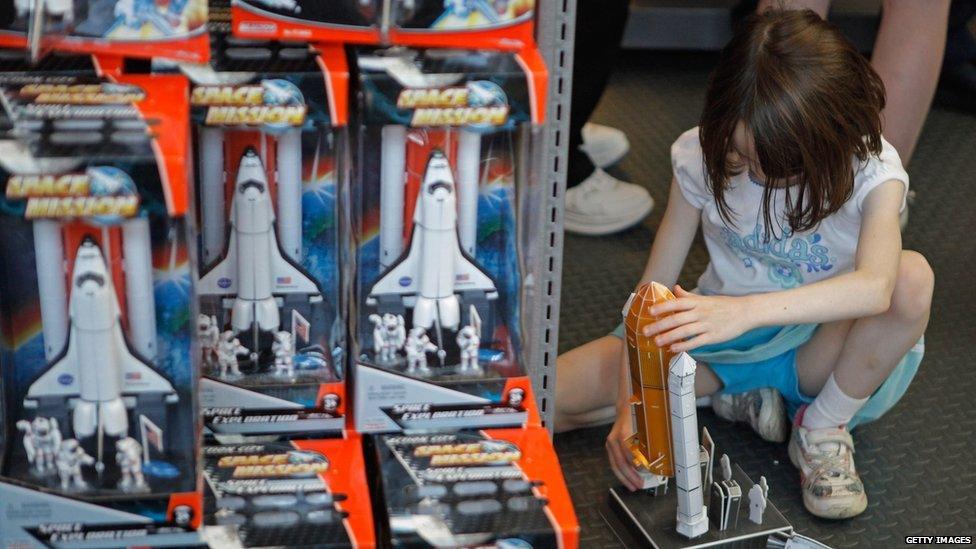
(555, 29)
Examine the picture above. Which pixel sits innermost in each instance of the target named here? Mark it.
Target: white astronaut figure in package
(389, 335)
(71, 456)
(284, 353)
(42, 438)
(128, 456)
(469, 342)
(209, 334)
(417, 347)
(227, 351)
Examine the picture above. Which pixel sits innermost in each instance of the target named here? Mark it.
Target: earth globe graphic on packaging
(109, 181)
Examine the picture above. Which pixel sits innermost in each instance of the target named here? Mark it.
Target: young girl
(808, 297)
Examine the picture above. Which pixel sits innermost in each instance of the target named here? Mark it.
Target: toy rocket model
(665, 442)
(254, 269)
(651, 442)
(97, 365)
(435, 269)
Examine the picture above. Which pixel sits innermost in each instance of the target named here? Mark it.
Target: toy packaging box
(99, 422)
(444, 138)
(136, 28)
(61, 63)
(301, 493)
(493, 24)
(488, 488)
(268, 122)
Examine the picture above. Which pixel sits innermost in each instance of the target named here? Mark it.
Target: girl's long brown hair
(811, 103)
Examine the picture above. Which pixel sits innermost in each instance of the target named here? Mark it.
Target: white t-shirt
(742, 262)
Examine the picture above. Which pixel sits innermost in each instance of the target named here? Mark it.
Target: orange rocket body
(651, 443)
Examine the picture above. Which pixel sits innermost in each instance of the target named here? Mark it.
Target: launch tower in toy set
(700, 511)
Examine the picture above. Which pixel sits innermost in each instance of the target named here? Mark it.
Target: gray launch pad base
(650, 520)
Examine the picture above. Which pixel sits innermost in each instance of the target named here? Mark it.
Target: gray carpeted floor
(917, 462)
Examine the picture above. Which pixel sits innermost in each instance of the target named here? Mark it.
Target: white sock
(831, 408)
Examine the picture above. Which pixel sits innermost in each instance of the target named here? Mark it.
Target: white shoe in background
(604, 145)
(603, 204)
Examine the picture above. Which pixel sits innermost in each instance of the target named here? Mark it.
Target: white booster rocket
(435, 268)
(254, 269)
(96, 368)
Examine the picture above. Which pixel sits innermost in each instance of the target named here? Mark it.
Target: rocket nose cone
(89, 248)
(250, 159)
(89, 259)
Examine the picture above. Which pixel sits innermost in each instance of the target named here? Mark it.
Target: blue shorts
(766, 357)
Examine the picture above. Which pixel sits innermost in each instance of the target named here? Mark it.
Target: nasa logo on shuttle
(66, 379)
(405, 281)
(224, 283)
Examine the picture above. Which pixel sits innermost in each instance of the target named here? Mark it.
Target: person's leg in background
(908, 57)
(959, 63)
(597, 203)
(586, 386)
(588, 381)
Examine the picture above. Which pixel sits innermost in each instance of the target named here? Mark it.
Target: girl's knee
(912, 297)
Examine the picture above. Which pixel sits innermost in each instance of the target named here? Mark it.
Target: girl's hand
(698, 320)
(618, 451)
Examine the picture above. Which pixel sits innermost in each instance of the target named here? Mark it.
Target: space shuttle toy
(99, 422)
(435, 269)
(268, 124)
(97, 371)
(706, 498)
(253, 272)
(444, 214)
(665, 440)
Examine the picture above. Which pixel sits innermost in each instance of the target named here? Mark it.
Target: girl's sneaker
(763, 409)
(831, 486)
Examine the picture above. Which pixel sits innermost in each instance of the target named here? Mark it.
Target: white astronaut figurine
(128, 456)
(42, 438)
(389, 335)
(209, 334)
(227, 351)
(758, 496)
(468, 343)
(284, 353)
(417, 347)
(71, 456)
